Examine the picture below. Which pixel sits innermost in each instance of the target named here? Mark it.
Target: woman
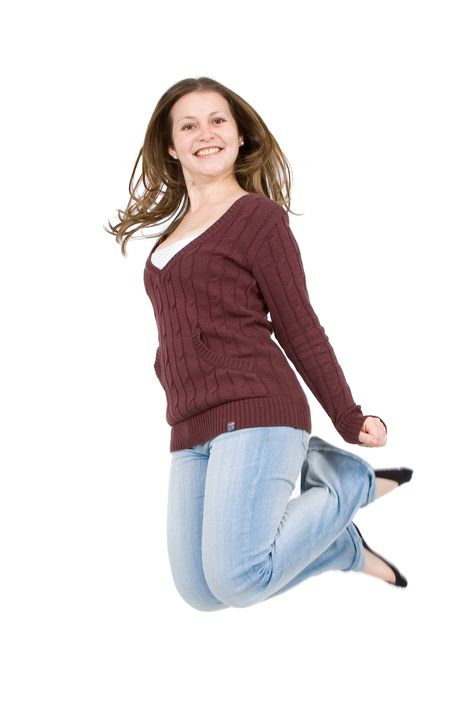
(241, 425)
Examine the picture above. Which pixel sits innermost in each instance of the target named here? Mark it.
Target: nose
(206, 133)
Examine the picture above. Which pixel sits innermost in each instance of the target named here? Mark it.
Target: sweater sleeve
(278, 269)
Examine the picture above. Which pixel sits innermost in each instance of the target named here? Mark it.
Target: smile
(207, 152)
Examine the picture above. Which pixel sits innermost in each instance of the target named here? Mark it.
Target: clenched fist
(373, 433)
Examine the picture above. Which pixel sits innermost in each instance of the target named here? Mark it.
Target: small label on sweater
(230, 426)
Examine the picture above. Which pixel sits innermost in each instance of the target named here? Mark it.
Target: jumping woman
(240, 421)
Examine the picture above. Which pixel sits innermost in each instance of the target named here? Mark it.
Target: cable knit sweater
(216, 360)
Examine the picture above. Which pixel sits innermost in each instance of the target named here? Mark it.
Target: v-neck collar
(202, 236)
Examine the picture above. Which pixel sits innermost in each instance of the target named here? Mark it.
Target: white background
(356, 94)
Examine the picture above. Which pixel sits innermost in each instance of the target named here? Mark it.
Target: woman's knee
(204, 604)
(200, 600)
(236, 591)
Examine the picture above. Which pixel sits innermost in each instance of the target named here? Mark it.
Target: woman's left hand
(373, 433)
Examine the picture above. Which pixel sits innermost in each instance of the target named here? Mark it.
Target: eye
(217, 118)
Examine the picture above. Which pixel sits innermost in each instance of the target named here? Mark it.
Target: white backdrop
(355, 93)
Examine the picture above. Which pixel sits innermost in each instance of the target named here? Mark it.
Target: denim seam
(250, 579)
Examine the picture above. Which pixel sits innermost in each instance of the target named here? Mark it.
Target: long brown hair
(261, 167)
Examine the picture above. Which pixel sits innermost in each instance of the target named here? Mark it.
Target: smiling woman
(209, 133)
(187, 186)
(240, 419)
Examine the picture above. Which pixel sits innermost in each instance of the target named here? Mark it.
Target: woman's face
(203, 119)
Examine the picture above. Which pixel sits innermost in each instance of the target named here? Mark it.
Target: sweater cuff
(352, 423)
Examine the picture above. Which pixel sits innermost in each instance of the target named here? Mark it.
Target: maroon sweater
(217, 363)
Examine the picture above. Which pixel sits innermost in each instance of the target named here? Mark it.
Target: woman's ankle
(384, 486)
(375, 566)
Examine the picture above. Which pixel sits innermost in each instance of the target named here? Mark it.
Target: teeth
(204, 152)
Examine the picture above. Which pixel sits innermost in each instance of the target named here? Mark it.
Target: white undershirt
(163, 254)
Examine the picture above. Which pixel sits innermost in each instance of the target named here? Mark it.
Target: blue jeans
(235, 535)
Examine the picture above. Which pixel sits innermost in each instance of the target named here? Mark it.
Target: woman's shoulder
(268, 206)
(260, 214)
(270, 203)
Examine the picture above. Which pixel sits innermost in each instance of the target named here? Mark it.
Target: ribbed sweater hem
(242, 413)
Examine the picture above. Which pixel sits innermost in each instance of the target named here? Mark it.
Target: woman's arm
(277, 267)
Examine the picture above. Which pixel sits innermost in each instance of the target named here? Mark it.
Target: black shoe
(400, 475)
(400, 580)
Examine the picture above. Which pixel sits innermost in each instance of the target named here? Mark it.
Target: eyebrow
(221, 111)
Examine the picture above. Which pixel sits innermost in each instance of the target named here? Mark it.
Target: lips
(206, 148)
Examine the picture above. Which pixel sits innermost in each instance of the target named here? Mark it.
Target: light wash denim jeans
(235, 535)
